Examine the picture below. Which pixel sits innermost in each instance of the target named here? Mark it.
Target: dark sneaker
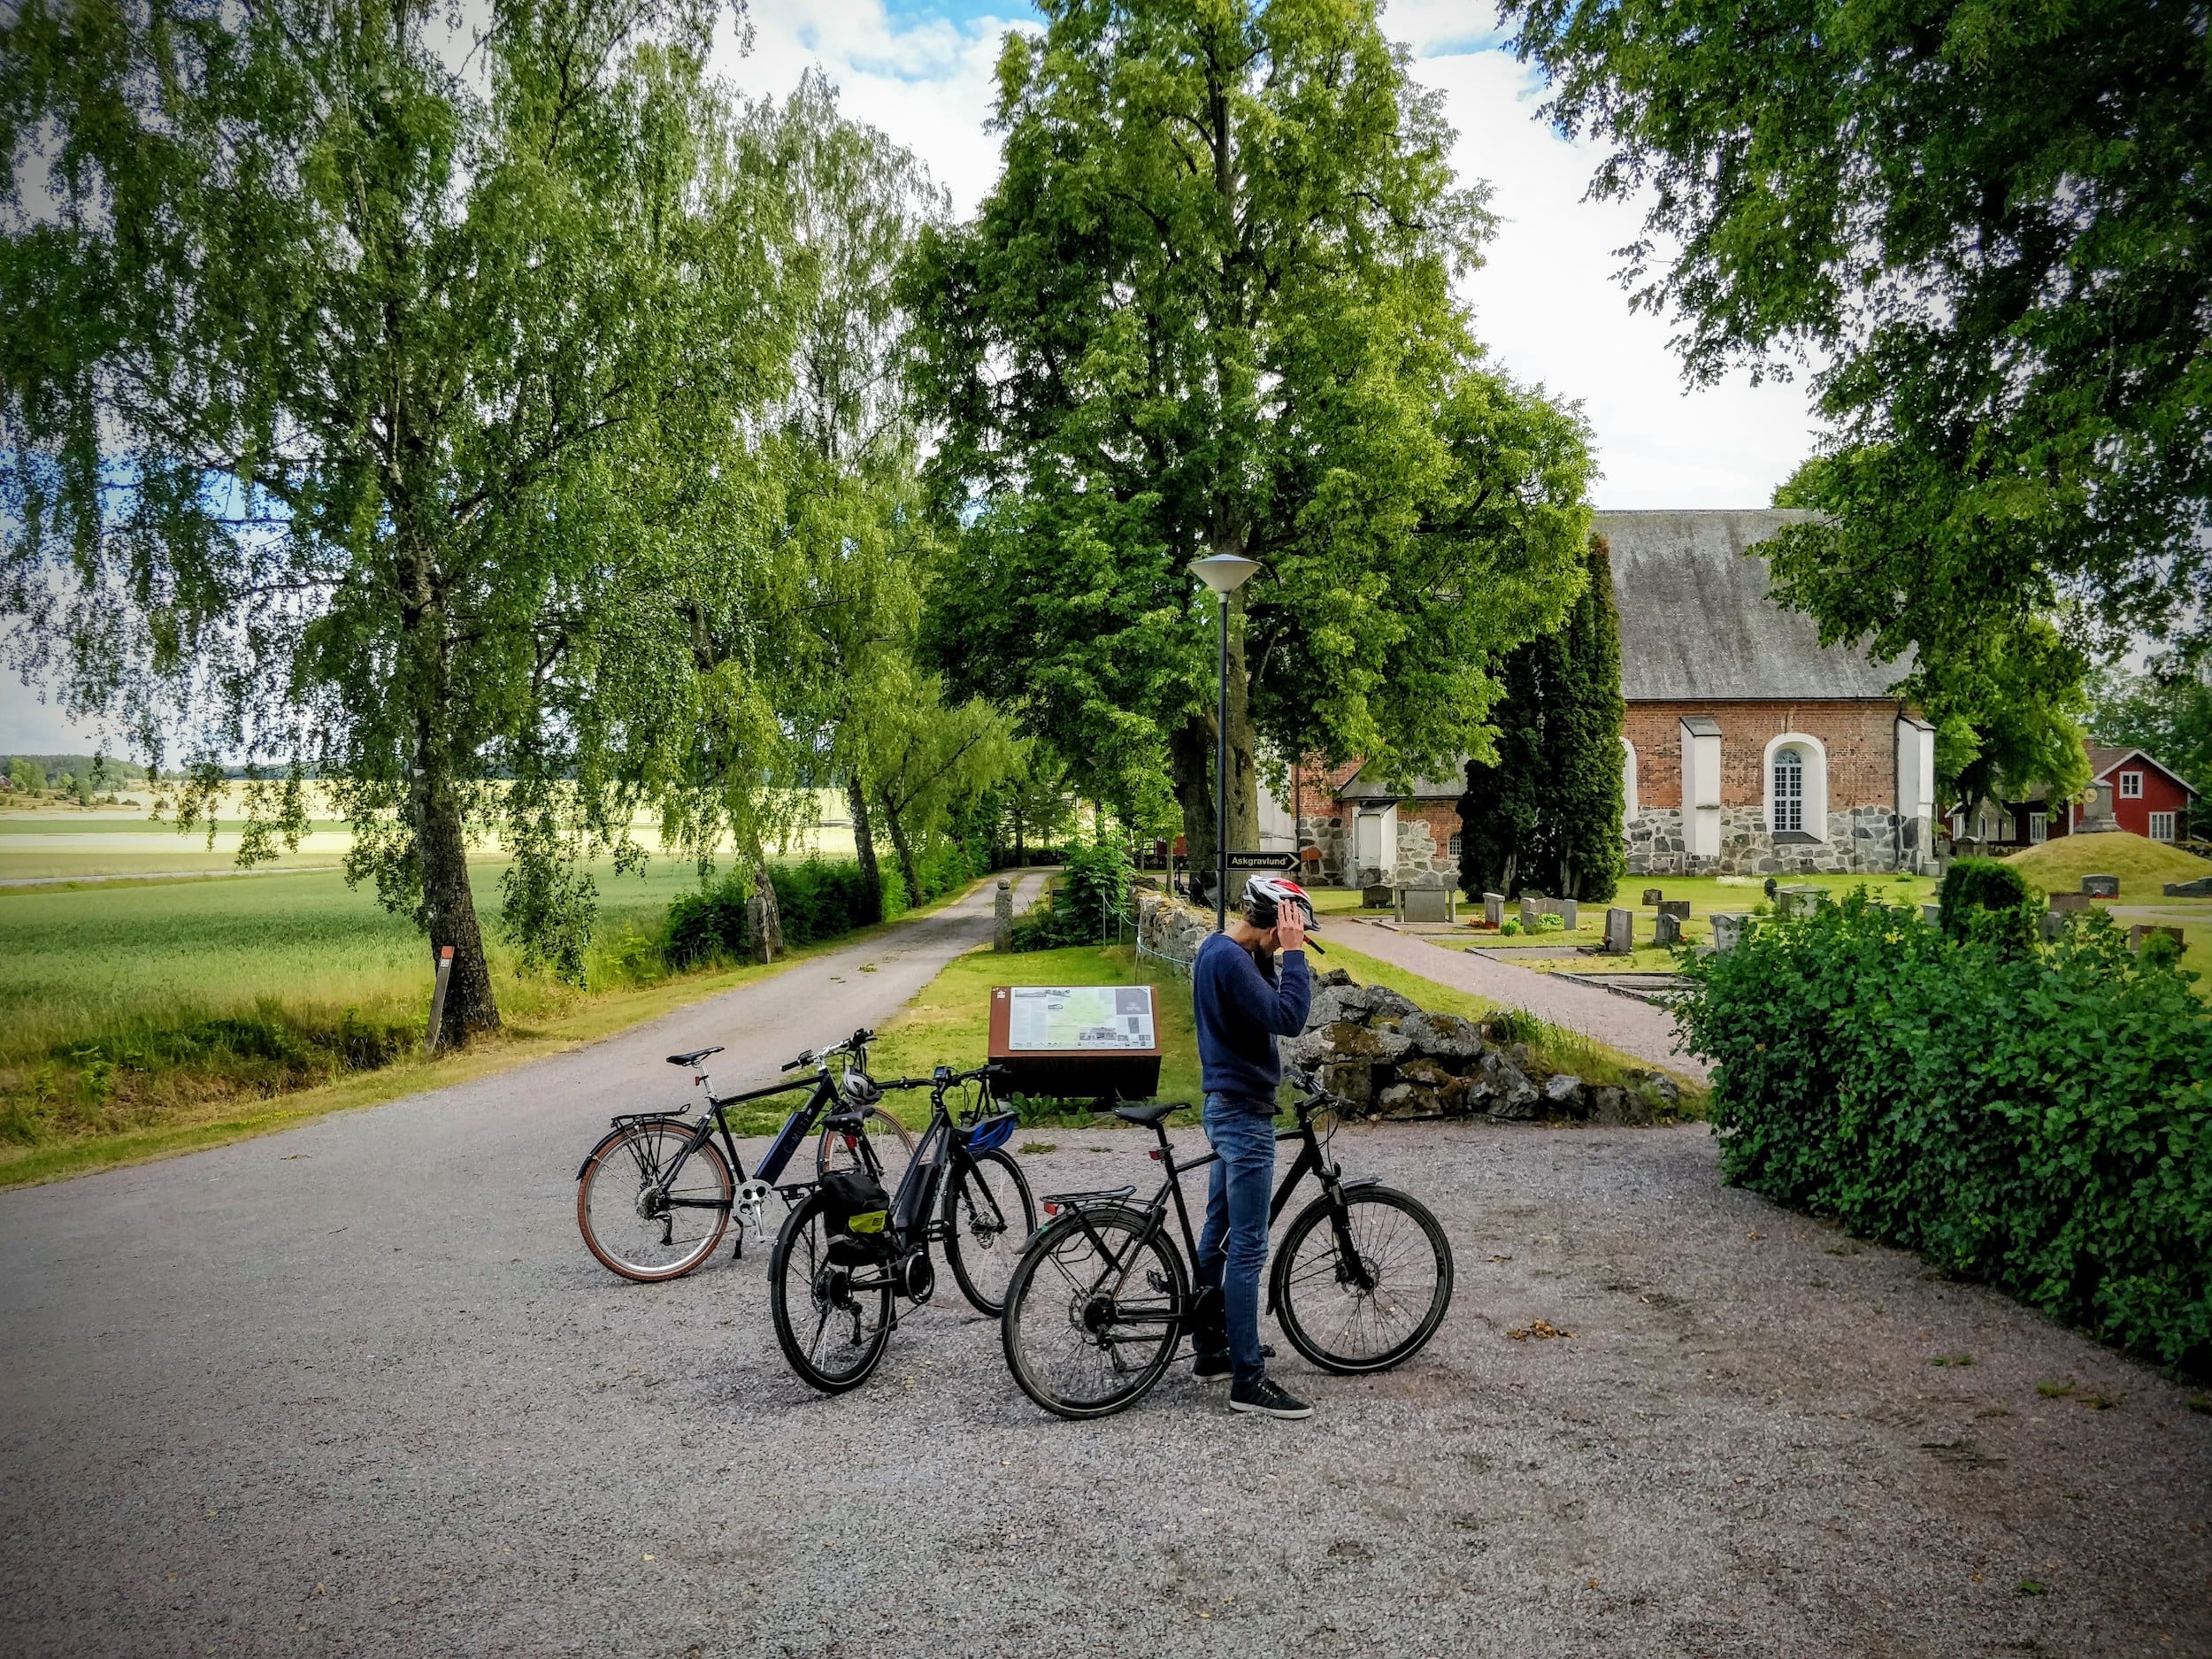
(1270, 1398)
(1212, 1368)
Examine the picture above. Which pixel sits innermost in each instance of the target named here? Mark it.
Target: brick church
(1751, 748)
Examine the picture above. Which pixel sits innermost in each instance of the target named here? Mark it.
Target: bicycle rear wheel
(989, 1217)
(637, 1221)
(891, 1141)
(1094, 1312)
(830, 1328)
(1366, 1296)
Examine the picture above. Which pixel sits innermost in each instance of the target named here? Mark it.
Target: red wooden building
(2147, 798)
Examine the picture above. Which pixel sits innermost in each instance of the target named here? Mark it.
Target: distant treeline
(56, 767)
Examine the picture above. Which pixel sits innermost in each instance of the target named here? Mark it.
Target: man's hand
(1290, 929)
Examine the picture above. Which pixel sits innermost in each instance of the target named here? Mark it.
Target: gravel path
(358, 1389)
(1633, 1027)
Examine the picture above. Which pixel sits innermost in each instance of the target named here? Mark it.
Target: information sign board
(1077, 1041)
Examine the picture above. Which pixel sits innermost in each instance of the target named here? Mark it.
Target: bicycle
(655, 1196)
(847, 1250)
(1101, 1299)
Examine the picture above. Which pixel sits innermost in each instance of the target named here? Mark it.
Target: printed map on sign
(1079, 1017)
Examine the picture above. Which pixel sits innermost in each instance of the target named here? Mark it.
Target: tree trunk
(905, 852)
(766, 919)
(449, 909)
(864, 848)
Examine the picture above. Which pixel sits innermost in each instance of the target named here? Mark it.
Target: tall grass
(120, 1005)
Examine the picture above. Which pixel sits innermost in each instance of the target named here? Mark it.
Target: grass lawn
(948, 1022)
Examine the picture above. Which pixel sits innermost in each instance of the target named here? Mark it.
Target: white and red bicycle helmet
(1265, 897)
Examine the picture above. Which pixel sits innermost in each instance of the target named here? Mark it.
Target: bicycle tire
(1357, 1308)
(983, 1241)
(1041, 1314)
(608, 1192)
(881, 1128)
(800, 1257)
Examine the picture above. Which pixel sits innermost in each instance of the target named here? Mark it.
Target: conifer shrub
(2035, 1116)
(1989, 898)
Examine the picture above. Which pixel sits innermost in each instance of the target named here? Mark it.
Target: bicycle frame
(1310, 1160)
(789, 1135)
(915, 1219)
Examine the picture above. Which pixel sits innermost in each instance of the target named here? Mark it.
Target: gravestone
(1800, 900)
(1002, 919)
(1769, 886)
(2200, 888)
(2096, 812)
(2143, 933)
(2055, 923)
(2069, 901)
(1653, 895)
(1728, 927)
(2100, 887)
(1494, 909)
(1531, 907)
(1566, 913)
(1931, 914)
(1378, 897)
(1424, 905)
(1620, 932)
(1668, 930)
(1679, 909)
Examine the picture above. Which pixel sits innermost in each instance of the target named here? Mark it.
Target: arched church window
(1789, 790)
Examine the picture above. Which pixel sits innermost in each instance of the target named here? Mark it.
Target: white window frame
(1454, 843)
(2039, 829)
(2162, 826)
(1813, 756)
(2131, 785)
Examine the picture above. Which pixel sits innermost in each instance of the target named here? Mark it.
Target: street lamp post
(1224, 573)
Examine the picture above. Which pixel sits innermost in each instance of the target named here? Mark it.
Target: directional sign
(1263, 861)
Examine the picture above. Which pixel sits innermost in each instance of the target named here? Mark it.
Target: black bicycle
(1102, 1298)
(655, 1196)
(848, 1249)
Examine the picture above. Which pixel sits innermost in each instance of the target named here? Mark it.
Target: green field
(126, 1004)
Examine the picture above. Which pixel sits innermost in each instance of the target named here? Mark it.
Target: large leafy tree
(1207, 308)
(371, 394)
(1990, 223)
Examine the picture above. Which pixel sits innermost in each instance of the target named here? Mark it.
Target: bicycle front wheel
(1364, 1286)
(639, 1220)
(891, 1141)
(832, 1317)
(989, 1215)
(1094, 1312)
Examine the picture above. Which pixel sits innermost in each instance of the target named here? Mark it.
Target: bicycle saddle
(1148, 1116)
(693, 1057)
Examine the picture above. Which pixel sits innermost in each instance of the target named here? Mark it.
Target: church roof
(1696, 624)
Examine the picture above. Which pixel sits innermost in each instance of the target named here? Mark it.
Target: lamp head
(1224, 573)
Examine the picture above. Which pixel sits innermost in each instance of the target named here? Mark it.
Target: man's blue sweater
(1240, 1013)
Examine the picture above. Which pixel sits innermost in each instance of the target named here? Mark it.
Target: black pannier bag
(854, 1208)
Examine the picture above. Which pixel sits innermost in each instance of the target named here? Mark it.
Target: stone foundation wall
(1862, 841)
(1423, 853)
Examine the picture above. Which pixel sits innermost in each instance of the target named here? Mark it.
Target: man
(1251, 985)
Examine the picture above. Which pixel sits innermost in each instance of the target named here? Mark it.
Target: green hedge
(1093, 888)
(2039, 1117)
(816, 900)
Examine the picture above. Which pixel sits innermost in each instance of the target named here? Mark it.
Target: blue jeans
(1232, 1248)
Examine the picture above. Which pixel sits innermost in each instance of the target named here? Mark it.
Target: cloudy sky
(1545, 302)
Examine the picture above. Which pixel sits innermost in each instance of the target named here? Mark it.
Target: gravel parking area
(276, 1412)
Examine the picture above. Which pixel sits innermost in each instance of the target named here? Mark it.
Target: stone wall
(1862, 841)
(1859, 738)
(1168, 927)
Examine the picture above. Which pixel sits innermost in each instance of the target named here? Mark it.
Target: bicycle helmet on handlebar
(1265, 897)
